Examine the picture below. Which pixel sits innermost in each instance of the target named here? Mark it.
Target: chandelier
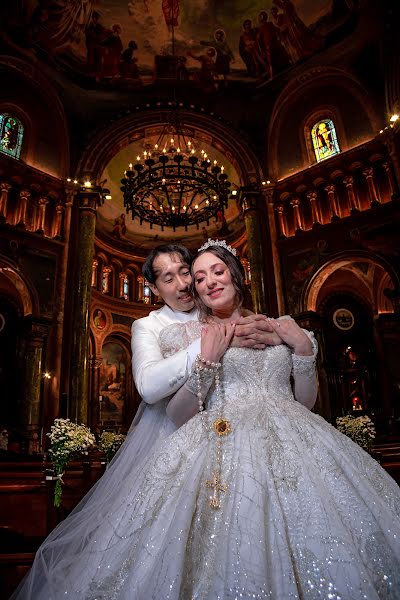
(171, 185)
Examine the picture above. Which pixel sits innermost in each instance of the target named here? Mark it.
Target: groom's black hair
(148, 270)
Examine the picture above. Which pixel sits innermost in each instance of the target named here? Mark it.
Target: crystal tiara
(221, 243)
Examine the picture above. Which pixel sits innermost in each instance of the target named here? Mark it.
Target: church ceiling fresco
(206, 43)
(119, 228)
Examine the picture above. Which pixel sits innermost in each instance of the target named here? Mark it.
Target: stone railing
(31, 200)
(348, 183)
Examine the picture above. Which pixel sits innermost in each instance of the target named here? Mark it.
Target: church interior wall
(329, 236)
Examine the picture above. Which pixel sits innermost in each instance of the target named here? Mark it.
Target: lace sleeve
(184, 404)
(304, 375)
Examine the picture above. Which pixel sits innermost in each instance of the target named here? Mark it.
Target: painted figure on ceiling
(297, 39)
(170, 9)
(271, 52)
(129, 68)
(248, 48)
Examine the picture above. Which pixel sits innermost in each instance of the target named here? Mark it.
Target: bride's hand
(215, 339)
(254, 331)
(292, 335)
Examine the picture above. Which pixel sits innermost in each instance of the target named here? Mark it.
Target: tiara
(221, 243)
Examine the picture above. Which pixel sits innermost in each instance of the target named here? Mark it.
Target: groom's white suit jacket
(157, 377)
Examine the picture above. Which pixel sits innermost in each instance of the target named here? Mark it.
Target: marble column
(353, 201)
(95, 264)
(298, 222)
(269, 195)
(250, 200)
(389, 176)
(333, 203)
(87, 203)
(313, 200)
(24, 196)
(368, 173)
(105, 280)
(61, 294)
(32, 383)
(122, 280)
(282, 225)
(42, 215)
(4, 190)
(58, 228)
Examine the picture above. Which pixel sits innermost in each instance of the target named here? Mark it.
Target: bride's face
(213, 282)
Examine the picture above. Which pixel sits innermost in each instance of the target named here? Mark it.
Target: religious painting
(205, 43)
(99, 319)
(113, 383)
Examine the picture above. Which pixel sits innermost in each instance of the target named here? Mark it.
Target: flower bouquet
(67, 441)
(360, 429)
(110, 442)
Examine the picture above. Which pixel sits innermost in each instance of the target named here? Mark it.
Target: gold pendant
(222, 427)
(216, 484)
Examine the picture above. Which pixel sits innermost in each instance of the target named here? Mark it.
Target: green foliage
(360, 429)
(110, 442)
(68, 440)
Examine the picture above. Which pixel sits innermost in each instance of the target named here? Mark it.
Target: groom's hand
(254, 331)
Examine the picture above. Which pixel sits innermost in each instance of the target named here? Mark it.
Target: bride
(254, 496)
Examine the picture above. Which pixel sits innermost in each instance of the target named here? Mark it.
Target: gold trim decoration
(222, 427)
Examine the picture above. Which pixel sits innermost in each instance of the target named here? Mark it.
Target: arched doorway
(350, 293)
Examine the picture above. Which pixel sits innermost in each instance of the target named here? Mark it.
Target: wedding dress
(304, 513)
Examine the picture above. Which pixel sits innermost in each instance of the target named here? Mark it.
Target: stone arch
(48, 106)
(119, 134)
(386, 278)
(13, 282)
(303, 87)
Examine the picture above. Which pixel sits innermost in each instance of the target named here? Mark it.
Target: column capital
(368, 172)
(295, 201)
(330, 188)
(249, 198)
(279, 208)
(5, 187)
(348, 180)
(312, 196)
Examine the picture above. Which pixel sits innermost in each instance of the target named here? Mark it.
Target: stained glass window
(126, 287)
(146, 293)
(11, 134)
(324, 140)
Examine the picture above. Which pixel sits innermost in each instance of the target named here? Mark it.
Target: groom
(167, 269)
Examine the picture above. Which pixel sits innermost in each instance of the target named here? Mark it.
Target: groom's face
(173, 280)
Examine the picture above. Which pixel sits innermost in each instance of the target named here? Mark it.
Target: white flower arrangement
(360, 429)
(110, 442)
(67, 441)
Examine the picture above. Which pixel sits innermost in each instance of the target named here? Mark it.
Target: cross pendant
(216, 484)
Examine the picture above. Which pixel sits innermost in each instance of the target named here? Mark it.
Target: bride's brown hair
(238, 280)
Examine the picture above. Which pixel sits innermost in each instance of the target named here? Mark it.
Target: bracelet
(210, 366)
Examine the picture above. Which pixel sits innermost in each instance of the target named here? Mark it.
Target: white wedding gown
(307, 514)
